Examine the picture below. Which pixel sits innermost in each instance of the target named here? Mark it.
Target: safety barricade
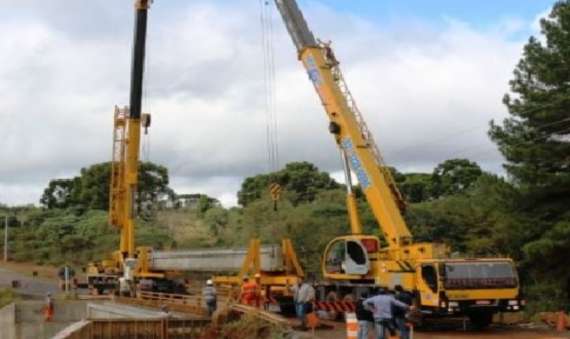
(336, 306)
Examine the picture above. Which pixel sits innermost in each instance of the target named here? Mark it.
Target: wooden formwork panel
(127, 329)
(140, 329)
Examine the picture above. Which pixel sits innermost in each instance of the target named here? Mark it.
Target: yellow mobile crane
(158, 270)
(128, 263)
(442, 286)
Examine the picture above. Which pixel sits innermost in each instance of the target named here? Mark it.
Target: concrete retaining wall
(24, 319)
(8, 322)
(30, 322)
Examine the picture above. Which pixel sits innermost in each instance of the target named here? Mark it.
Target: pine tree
(535, 139)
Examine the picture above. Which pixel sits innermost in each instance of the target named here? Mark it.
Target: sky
(428, 76)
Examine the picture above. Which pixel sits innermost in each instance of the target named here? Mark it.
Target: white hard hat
(209, 282)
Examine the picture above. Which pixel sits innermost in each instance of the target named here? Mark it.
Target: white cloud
(419, 88)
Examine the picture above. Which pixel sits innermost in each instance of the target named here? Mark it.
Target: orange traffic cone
(312, 321)
(351, 326)
(561, 322)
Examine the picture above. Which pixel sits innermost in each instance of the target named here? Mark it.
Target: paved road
(495, 333)
(453, 330)
(32, 287)
(492, 334)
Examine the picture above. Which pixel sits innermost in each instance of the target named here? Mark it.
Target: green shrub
(6, 296)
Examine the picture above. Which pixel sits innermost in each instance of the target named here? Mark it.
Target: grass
(245, 327)
(6, 296)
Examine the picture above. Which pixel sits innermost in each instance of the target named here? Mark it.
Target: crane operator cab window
(347, 257)
(429, 276)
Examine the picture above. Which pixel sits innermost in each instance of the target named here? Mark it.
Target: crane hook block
(145, 121)
(275, 191)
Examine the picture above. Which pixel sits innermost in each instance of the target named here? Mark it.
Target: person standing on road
(382, 306)
(399, 314)
(303, 296)
(364, 317)
(258, 297)
(48, 308)
(210, 296)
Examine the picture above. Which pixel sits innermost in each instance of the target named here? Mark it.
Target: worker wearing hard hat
(210, 296)
(258, 290)
(48, 308)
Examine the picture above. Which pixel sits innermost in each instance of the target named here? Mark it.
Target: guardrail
(185, 303)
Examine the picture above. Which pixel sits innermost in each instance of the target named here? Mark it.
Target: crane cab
(349, 257)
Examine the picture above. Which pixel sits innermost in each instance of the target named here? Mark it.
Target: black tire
(286, 305)
(481, 320)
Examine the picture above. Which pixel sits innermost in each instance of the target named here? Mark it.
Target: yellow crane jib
(349, 128)
(128, 122)
(124, 175)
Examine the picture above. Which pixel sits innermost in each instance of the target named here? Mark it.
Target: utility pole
(6, 238)
(66, 274)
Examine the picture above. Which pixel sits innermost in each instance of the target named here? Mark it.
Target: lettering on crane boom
(355, 163)
(313, 71)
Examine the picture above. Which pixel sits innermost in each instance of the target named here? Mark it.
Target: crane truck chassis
(354, 263)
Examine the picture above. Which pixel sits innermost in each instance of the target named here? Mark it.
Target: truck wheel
(481, 320)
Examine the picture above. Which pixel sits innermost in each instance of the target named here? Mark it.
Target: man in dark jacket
(400, 314)
(364, 317)
(382, 306)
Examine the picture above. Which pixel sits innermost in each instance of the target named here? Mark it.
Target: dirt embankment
(28, 269)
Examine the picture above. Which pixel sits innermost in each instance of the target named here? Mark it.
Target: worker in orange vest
(249, 292)
(48, 308)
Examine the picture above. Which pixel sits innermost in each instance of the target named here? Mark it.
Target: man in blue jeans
(303, 296)
(364, 317)
(400, 315)
(381, 306)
